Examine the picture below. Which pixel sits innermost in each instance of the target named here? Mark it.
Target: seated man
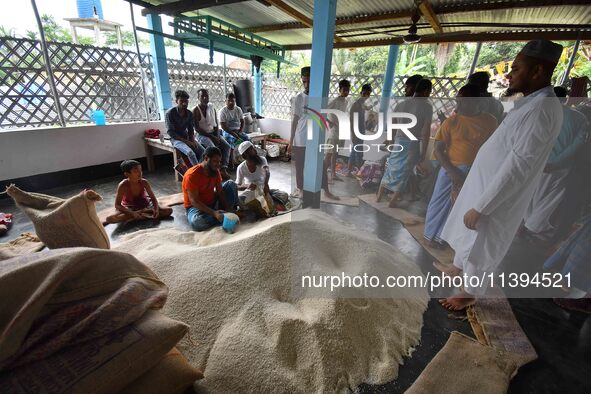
(179, 125)
(252, 174)
(206, 125)
(232, 122)
(204, 193)
(135, 199)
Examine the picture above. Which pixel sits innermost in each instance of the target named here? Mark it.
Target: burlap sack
(464, 366)
(103, 366)
(172, 375)
(56, 298)
(24, 244)
(63, 223)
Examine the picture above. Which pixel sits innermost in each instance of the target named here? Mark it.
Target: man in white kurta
(507, 169)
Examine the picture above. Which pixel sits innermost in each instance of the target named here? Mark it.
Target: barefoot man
(507, 169)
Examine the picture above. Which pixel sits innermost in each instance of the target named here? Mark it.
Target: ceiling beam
(473, 37)
(430, 16)
(453, 8)
(289, 10)
(349, 20)
(179, 7)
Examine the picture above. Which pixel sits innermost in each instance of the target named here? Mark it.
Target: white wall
(39, 151)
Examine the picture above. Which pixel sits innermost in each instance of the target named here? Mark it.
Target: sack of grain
(63, 223)
(58, 298)
(104, 365)
(172, 375)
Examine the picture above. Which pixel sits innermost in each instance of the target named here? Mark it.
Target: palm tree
(6, 32)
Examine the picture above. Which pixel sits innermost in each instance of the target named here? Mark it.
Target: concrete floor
(561, 338)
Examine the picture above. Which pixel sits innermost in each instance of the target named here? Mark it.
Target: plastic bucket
(230, 222)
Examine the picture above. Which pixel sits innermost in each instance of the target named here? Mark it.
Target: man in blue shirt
(180, 128)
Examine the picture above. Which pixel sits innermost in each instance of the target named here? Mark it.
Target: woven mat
(494, 324)
(343, 200)
(165, 201)
(414, 224)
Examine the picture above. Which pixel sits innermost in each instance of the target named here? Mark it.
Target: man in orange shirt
(205, 194)
(456, 144)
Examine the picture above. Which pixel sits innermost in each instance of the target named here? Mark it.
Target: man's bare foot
(458, 302)
(380, 194)
(331, 196)
(435, 245)
(393, 203)
(449, 270)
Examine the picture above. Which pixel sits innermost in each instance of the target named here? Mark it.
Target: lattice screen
(194, 76)
(86, 78)
(26, 94)
(277, 92)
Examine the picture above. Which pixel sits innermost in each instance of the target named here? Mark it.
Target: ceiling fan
(412, 37)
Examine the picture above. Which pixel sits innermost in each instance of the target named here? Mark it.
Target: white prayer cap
(543, 50)
(243, 147)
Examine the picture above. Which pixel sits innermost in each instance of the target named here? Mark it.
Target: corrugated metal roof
(252, 13)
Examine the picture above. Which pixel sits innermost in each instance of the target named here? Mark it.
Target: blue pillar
(389, 78)
(160, 67)
(258, 91)
(322, 39)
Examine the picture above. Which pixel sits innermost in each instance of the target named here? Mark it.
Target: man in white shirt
(252, 177)
(297, 140)
(206, 124)
(232, 122)
(507, 169)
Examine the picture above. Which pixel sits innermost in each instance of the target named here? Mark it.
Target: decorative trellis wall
(89, 78)
(194, 76)
(86, 78)
(278, 92)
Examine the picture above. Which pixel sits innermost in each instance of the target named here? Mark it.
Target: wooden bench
(154, 143)
(151, 144)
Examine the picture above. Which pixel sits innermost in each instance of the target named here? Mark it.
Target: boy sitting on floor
(135, 199)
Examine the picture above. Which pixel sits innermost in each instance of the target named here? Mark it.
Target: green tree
(53, 31)
(342, 62)
(6, 32)
(127, 38)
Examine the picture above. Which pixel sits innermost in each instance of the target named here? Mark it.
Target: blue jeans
(232, 140)
(201, 221)
(194, 155)
(223, 146)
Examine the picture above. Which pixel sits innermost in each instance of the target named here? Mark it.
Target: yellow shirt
(464, 135)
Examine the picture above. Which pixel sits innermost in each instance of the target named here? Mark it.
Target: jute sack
(24, 244)
(102, 366)
(172, 375)
(464, 366)
(63, 223)
(56, 298)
